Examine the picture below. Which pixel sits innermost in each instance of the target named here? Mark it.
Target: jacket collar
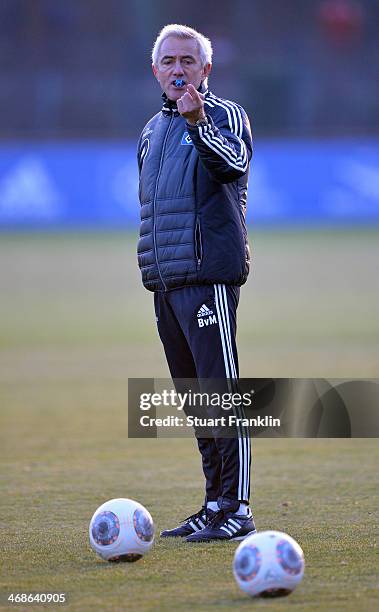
(169, 106)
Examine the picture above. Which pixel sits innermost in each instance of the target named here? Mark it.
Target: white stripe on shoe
(194, 526)
(227, 530)
(234, 523)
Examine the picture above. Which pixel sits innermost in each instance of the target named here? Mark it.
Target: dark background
(81, 68)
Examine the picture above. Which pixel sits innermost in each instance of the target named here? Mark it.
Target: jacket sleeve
(224, 145)
(144, 143)
(142, 148)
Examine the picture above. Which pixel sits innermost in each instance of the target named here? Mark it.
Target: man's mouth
(178, 83)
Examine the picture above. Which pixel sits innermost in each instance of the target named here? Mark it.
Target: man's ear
(155, 70)
(207, 70)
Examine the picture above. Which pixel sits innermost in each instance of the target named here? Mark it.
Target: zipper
(198, 244)
(155, 199)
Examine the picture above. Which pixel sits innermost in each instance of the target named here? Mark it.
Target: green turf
(75, 323)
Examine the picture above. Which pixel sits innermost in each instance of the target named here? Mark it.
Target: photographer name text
(230, 420)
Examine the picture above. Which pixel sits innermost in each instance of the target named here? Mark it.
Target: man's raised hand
(191, 105)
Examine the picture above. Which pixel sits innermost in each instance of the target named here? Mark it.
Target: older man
(193, 159)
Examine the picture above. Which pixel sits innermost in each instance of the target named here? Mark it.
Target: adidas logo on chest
(205, 317)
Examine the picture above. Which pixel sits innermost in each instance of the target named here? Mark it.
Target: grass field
(75, 324)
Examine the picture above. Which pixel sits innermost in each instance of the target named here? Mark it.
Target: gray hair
(182, 31)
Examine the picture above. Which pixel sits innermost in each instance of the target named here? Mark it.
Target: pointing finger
(192, 91)
(187, 97)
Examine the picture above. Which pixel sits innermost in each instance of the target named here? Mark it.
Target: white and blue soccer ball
(121, 530)
(268, 564)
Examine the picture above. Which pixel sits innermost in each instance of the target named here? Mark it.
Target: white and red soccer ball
(121, 530)
(268, 564)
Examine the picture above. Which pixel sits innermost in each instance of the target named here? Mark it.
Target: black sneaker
(225, 526)
(192, 524)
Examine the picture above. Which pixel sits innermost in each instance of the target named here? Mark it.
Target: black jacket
(192, 190)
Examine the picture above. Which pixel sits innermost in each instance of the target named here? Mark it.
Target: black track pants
(197, 326)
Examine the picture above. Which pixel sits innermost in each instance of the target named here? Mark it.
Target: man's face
(179, 58)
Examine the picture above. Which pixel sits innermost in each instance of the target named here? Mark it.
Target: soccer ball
(121, 530)
(268, 564)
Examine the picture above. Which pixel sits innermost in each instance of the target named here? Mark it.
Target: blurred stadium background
(75, 90)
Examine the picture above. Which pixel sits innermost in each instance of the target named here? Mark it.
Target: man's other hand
(191, 105)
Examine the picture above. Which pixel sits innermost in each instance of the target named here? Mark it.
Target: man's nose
(178, 70)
